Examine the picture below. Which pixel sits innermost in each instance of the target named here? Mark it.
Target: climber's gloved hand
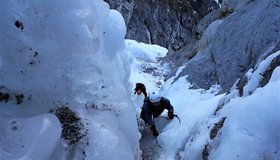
(154, 130)
(170, 115)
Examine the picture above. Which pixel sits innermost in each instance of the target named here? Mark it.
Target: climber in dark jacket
(153, 107)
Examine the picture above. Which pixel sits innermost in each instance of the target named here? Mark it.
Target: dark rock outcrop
(168, 23)
(72, 126)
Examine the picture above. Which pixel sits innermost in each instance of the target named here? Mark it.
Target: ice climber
(153, 106)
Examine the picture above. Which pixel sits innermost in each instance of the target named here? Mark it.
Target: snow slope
(244, 127)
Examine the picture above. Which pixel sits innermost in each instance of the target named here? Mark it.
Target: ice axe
(175, 115)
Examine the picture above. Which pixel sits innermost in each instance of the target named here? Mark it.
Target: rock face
(168, 23)
(217, 45)
(244, 33)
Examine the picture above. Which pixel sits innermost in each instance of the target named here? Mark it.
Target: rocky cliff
(168, 23)
(236, 38)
